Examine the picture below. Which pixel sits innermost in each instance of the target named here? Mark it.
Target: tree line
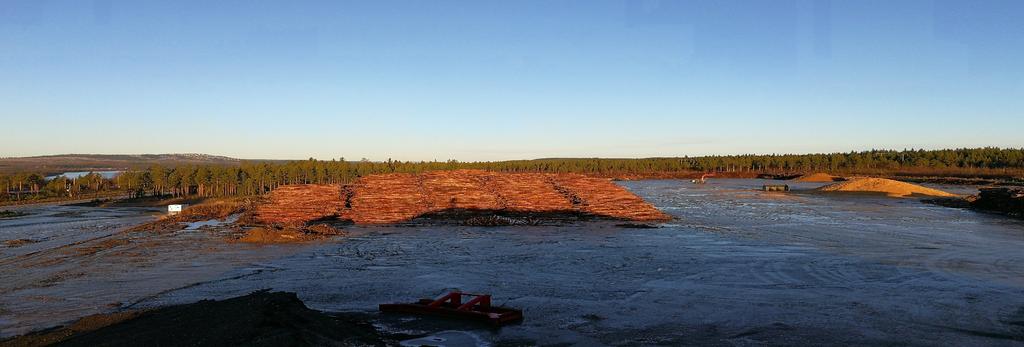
(254, 178)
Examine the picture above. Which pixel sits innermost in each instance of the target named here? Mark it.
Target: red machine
(703, 178)
(450, 305)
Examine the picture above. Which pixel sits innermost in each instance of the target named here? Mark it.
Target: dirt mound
(494, 221)
(289, 235)
(400, 197)
(213, 209)
(883, 186)
(323, 229)
(19, 242)
(292, 216)
(11, 214)
(819, 177)
(85, 324)
(147, 201)
(263, 235)
(1005, 200)
(257, 319)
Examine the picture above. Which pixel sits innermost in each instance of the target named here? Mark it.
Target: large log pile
(299, 204)
(394, 198)
(380, 199)
(603, 198)
(463, 189)
(526, 192)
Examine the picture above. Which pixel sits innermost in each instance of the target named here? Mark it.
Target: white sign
(173, 208)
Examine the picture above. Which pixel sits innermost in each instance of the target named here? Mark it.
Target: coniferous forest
(254, 178)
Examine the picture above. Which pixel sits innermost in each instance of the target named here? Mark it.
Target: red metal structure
(450, 305)
(703, 178)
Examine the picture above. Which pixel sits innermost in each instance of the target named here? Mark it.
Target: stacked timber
(602, 197)
(525, 192)
(401, 197)
(462, 190)
(298, 204)
(387, 198)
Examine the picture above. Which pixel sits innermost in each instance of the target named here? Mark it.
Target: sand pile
(819, 177)
(394, 198)
(883, 186)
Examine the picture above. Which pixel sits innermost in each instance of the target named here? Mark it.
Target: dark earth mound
(11, 214)
(1009, 201)
(1005, 200)
(259, 319)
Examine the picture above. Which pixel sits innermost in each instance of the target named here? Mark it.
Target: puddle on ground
(449, 338)
(213, 222)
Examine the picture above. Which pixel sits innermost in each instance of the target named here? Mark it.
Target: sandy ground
(739, 267)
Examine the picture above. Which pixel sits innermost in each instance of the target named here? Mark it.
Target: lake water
(78, 174)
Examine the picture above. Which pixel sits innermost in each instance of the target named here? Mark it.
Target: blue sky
(482, 80)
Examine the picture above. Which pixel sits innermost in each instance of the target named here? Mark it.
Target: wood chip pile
(394, 198)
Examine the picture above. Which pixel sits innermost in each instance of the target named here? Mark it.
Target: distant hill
(104, 162)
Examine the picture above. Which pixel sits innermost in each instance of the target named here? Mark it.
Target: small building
(175, 209)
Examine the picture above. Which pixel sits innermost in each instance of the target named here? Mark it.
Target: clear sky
(482, 80)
